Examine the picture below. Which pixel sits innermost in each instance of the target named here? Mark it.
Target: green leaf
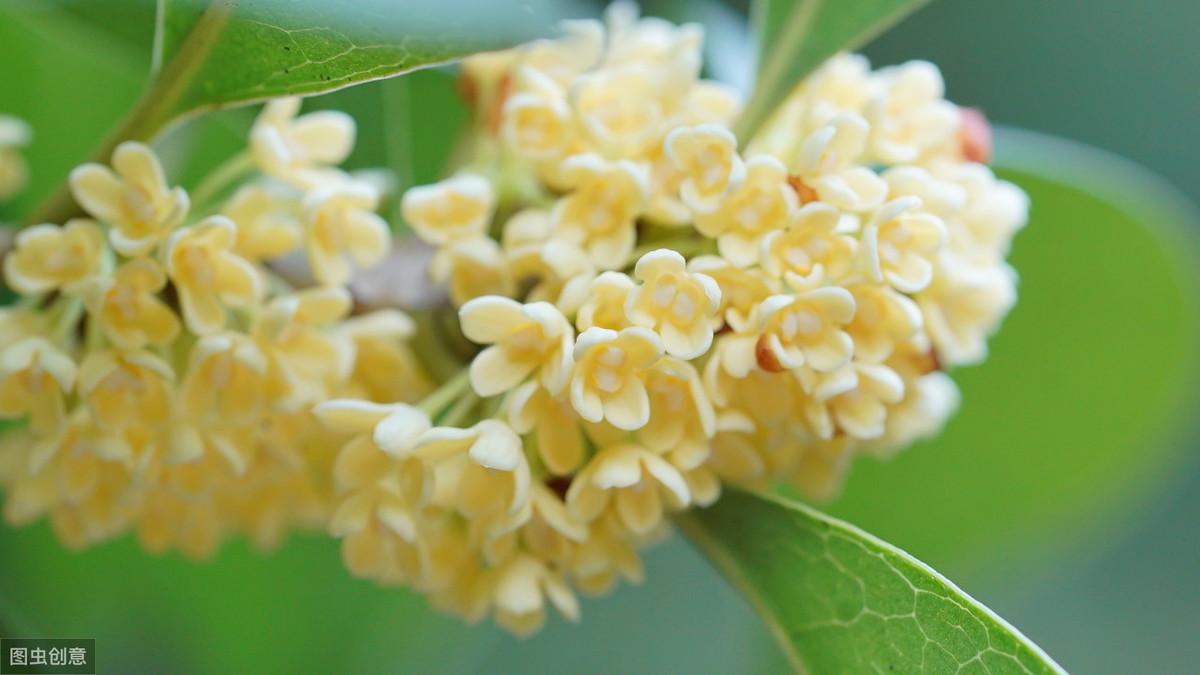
(796, 36)
(1080, 412)
(839, 600)
(252, 50)
(239, 52)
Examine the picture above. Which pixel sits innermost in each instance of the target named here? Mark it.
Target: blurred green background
(1066, 494)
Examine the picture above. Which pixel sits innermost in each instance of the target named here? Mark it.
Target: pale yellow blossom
(35, 377)
(554, 424)
(599, 213)
(536, 120)
(900, 243)
(554, 270)
(677, 304)
(610, 553)
(963, 306)
(765, 202)
(908, 115)
(853, 399)
(605, 306)
(992, 211)
(636, 484)
(342, 226)
(525, 339)
(811, 252)
(471, 268)
(300, 149)
(607, 382)
(828, 163)
(617, 110)
(564, 58)
(267, 224)
(135, 199)
(742, 289)
(455, 209)
(523, 585)
(226, 380)
(48, 257)
(493, 475)
(306, 362)
(385, 366)
(133, 389)
(808, 328)
(127, 307)
(551, 533)
(883, 319)
(682, 419)
(708, 157)
(207, 274)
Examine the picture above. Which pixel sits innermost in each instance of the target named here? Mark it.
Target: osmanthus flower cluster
(654, 308)
(659, 312)
(166, 373)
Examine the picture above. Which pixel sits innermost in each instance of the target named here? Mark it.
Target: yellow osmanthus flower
(531, 339)
(471, 268)
(852, 399)
(826, 164)
(636, 484)
(302, 149)
(35, 378)
(127, 308)
(765, 202)
(342, 226)
(742, 289)
(598, 215)
(267, 225)
(807, 329)
(677, 304)
(908, 116)
(208, 275)
(559, 438)
(963, 306)
(135, 199)
(811, 251)
(522, 584)
(457, 208)
(537, 119)
(305, 361)
(48, 257)
(605, 306)
(707, 154)
(883, 320)
(618, 110)
(226, 380)
(608, 381)
(659, 313)
(682, 418)
(124, 390)
(559, 271)
(493, 474)
(385, 367)
(900, 243)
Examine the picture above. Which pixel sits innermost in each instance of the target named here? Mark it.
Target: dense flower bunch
(167, 374)
(660, 313)
(647, 308)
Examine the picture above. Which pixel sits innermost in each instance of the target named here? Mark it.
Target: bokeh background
(1066, 494)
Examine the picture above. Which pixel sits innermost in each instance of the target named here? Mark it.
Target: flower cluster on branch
(652, 308)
